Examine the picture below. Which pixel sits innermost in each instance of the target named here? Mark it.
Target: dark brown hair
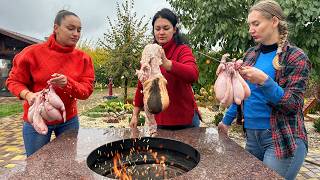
(61, 15)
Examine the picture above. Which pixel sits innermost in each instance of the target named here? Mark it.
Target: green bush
(218, 118)
(314, 109)
(316, 125)
(205, 97)
(113, 105)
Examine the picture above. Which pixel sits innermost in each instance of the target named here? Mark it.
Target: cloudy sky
(35, 17)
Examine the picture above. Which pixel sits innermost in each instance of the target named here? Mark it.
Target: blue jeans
(259, 143)
(196, 119)
(33, 141)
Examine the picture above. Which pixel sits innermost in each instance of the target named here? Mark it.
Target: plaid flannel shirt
(287, 120)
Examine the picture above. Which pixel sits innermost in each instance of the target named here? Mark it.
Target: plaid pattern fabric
(287, 120)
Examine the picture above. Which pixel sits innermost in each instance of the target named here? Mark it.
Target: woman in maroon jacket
(180, 70)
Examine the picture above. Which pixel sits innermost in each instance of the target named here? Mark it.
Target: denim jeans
(33, 141)
(196, 119)
(259, 143)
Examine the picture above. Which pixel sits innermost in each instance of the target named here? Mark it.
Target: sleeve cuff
(17, 92)
(267, 83)
(272, 90)
(227, 120)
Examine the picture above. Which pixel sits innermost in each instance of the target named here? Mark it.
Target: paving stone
(306, 176)
(9, 166)
(300, 178)
(316, 170)
(12, 149)
(303, 169)
(311, 174)
(19, 157)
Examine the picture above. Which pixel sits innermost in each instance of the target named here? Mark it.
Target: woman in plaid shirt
(277, 73)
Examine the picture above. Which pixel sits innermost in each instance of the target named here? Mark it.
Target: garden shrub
(218, 118)
(316, 124)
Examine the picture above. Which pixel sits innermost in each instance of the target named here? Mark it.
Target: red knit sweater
(34, 65)
(180, 78)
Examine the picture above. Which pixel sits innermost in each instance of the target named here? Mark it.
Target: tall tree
(99, 57)
(211, 22)
(124, 41)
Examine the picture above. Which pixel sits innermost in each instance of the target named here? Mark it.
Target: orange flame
(122, 172)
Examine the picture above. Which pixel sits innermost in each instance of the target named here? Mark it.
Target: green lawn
(10, 109)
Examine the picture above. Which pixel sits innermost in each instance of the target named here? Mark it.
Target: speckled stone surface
(65, 157)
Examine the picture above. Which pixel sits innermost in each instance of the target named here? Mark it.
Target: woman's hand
(134, 133)
(135, 117)
(31, 97)
(134, 122)
(59, 80)
(166, 63)
(253, 75)
(222, 128)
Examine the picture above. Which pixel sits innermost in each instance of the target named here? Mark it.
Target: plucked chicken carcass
(47, 107)
(230, 86)
(155, 94)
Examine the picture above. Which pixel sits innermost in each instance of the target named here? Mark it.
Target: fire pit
(143, 158)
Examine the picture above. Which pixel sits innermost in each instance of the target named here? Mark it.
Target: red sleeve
(82, 88)
(185, 67)
(19, 76)
(138, 98)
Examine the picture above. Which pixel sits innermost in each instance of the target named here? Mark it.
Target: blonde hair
(270, 9)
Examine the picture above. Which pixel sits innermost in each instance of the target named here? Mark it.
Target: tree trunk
(125, 97)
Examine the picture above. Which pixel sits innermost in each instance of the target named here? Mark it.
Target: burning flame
(122, 172)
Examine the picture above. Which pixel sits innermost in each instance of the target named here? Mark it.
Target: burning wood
(122, 172)
(125, 170)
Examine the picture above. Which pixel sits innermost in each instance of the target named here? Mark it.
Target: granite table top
(65, 156)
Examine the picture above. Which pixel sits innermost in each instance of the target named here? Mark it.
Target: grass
(10, 109)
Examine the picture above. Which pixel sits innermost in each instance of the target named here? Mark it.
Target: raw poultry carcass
(47, 106)
(230, 86)
(155, 94)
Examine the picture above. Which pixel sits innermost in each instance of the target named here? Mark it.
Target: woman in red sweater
(180, 70)
(56, 61)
